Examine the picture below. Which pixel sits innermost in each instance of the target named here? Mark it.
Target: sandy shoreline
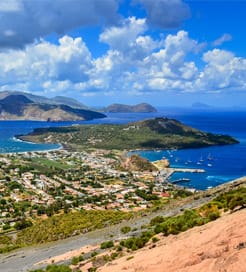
(61, 147)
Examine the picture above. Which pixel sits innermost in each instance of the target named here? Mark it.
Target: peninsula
(158, 133)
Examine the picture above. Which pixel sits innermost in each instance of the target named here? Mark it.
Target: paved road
(24, 259)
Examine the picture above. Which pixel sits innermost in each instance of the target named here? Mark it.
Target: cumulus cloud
(223, 70)
(143, 65)
(128, 39)
(165, 13)
(23, 21)
(224, 38)
(120, 37)
(43, 66)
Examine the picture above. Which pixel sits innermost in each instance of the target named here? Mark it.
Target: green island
(147, 134)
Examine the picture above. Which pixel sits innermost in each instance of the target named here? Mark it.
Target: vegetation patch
(54, 268)
(62, 226)
(148, 134)
(189, 219)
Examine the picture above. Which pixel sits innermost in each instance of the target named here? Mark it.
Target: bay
(221, 163)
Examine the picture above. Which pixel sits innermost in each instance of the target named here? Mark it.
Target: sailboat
(201, 159)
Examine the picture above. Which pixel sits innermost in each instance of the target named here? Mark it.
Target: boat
(209, 165)
(201, 159)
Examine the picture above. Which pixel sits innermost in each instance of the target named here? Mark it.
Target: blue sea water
(221, 163)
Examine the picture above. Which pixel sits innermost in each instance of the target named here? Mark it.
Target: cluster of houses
(92, 179)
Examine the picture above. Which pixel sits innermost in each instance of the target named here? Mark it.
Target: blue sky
(165, 52)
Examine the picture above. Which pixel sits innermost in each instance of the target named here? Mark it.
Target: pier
(166, 173)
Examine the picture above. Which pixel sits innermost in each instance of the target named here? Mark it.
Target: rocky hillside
(143, 107)
(20, 107)
(216, 246)
(136, 163)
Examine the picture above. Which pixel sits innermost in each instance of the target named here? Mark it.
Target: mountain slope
(20, 107)
(217, 246)
(58, 100)
(69, 102)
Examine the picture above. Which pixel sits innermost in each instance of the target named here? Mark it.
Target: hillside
(21, 107)
(147, 134)
(58, 100)
(216, 246)
(143, 107)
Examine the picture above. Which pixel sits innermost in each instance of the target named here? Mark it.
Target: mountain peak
(16, 99)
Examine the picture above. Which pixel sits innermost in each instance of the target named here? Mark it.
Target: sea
(221, 163)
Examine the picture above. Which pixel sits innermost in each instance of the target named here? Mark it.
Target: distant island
(148, 134)
(20, 106)
(142, 107)
(199, 105)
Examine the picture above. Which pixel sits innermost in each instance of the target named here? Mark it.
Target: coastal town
(41, 184)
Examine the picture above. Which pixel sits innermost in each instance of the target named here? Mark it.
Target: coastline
(15, 138)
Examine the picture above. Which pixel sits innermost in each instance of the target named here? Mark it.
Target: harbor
(166, 173)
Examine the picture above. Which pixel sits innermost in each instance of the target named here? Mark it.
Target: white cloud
(10, 6)
(222, 71)
(44, 65)
(30, 20)
(128, 39)
(143, 65)
(120, 37)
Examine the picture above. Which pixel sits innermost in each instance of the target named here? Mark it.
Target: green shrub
(94, 253)
(125, 229)
(75, 260)
(107, 244)
(155, 239)
(156, 220)
(54, 268)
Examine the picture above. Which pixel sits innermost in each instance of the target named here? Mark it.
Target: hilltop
(142, 107)
(22, 107)
(148, 134)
